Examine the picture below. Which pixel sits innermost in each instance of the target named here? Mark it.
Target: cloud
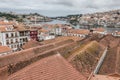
(60, 2)
(59, 7)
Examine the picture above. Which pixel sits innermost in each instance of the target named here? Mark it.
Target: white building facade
(13, 38)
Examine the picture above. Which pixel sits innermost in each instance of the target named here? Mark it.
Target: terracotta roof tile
(7, 23)
(43, 30)
(20, 27)
(99, 29)
(61, 38)
(50, 68)
(78, 31)
(4, 49)
(2, 28)
(30, 44)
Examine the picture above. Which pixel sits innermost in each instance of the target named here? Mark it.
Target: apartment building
(116, 33)
(100, 31)
(44, 35)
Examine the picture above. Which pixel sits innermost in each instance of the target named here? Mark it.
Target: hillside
(24, 17)
(10, 16)
(109, 18)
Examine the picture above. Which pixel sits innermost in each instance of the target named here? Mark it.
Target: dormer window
(9, 28)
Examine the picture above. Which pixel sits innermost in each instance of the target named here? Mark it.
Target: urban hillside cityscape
(60, 40)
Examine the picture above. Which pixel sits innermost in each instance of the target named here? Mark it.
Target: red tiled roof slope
(5, 49)
(30, 44)
(50, 68)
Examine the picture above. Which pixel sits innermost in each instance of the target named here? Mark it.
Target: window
(7, 41)
(12, 35)
(16, 40)
(7, 36)
(11, 41)
(11, 46)
(14, 46)
(23, 40)
(18, 46)
(15, 34)
(21, 34)
(26, 40)
(20, 40)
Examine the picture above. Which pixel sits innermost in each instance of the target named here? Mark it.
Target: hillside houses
(110, 19)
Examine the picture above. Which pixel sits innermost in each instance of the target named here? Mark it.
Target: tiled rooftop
(99, 29)
(50, 68)
(2, 28)
(4, 49)
(6, 23)
(43, 30)
(62, 38)
(30, 44)
(20, 27)
(78, 31)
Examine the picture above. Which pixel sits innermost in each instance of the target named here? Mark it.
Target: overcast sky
(58, 7)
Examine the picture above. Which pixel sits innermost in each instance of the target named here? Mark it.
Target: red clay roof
(78, 31)
(14, 28)
(99, 29)
(4, 49)
(50, 68)
(61, 38)
(20, 27)
(30, 44)
(43, 30)
(2, 28)
(7, 23)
